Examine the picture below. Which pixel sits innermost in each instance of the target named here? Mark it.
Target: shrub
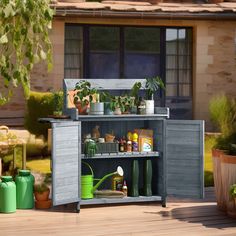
(223, 114)
(40, 105)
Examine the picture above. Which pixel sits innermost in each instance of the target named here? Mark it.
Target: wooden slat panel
(66, 162)
(184, 158)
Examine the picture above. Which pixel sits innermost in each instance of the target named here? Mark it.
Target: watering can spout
(119, 171)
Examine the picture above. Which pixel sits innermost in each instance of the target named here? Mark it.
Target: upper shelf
(120, 117)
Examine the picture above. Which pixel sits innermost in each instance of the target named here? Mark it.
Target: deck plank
(180, 217)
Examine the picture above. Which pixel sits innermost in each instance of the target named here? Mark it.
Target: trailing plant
(223, 114)
(24, 41)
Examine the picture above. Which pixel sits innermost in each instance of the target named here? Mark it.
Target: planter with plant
(223, 115)
(151, 86)
(107, 99)
(123, 104)
(41, 193)
(83, 96)
(96, 106)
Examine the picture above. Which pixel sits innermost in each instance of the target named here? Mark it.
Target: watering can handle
(85, 163)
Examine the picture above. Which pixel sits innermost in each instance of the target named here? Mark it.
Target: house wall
(214, 61)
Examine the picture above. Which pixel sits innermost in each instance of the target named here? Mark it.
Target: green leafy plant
(223, 114)
(124, 102)
(39, 105)
(84, 92)
(232, 191)
(40, 188)
(57, 102)
(151, 86)
(24, 41)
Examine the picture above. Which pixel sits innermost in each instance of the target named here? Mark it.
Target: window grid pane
(73, 51)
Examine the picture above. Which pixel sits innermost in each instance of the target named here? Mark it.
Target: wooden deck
(180, 217)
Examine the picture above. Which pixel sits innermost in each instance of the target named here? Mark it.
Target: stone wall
(214, 62)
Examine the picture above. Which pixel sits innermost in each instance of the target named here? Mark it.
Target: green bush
(223, 114)
(40, 105)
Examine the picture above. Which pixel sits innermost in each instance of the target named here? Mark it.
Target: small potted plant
(151, 86)
(107, 99)
(96, 106)
(41, 194)
(83, 96)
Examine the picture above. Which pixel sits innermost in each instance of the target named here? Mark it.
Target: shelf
(123, 155)
(127, 117)
(120, 200)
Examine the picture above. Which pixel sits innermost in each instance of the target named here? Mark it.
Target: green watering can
(87, 188)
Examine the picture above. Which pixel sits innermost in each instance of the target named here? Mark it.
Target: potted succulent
(151, 86)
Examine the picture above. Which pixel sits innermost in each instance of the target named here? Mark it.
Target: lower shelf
(120, 200)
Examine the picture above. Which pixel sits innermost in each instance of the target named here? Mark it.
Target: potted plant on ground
(41, 193)
(222, 113)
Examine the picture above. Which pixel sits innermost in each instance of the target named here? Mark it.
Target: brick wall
(214, 62)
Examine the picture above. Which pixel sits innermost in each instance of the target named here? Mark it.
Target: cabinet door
(66, 162)
(183, 150)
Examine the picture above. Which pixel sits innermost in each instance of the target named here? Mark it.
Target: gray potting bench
(177, 159)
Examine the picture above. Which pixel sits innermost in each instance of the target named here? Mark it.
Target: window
(73, 51)
(179, 72)
(134, 52)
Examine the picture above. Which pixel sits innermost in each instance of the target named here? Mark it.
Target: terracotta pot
(228, 176)
(42, 196)
(218, 186)
(43, 204)
(82, 110)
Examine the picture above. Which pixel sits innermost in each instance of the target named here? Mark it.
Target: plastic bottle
(121, 146)
(125, 188)
(117, 182)
(24, 190)
(129, 136)
(7, 195)
(129, 146)
(135, 142)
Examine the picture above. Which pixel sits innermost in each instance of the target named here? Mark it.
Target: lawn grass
(42, 166)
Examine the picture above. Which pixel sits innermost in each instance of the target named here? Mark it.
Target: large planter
(221, 203)
(96, 108)
(228, 173)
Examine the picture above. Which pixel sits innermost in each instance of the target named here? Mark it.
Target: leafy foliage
(232, 191)
(151, 86)
(223, 114)
(40, 105)
(40, 188)
(24, 41)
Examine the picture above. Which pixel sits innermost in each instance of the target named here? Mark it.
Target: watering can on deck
(87, 188)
